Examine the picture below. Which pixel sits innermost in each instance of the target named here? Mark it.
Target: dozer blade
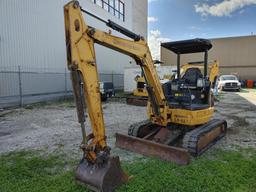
(153, 149)
(102, 178)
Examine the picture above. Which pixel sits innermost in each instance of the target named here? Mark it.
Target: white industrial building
(32, 37)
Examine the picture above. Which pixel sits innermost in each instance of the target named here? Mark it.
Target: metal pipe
(205, 63)
(123, 30)
(115, 26)
(178, 66)
(95, 16)
(20, 86)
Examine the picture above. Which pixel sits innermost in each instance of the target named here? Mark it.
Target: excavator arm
(97, 166)
(80, 40)
(141, 54)
(214, 72)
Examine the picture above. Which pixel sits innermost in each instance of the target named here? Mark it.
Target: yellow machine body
(183, 116)
(190, 117)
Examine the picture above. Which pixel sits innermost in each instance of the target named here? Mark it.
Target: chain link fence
(20, 86)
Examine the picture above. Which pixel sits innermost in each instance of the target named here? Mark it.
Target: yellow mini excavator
(141, 90)
(179, 113)
(139, 95)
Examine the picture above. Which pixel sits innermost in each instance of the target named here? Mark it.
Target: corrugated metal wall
(32, 37)
(31, 34)
(140, 17)
(235, 54)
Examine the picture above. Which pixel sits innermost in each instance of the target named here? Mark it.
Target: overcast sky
(171, 20)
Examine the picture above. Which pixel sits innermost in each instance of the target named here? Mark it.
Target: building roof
(188, 46)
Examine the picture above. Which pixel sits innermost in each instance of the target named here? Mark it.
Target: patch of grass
(220, 96)
(225, 171)
(244, 90)
(62, 102)
(218, 171)
(29, 171)
(122, 94)
(247, 90)
(36, 105)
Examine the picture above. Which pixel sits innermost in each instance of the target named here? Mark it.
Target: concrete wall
(140, 17)
(237, 55)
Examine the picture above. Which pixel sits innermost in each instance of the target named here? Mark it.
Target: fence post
(20, 86)
(112, 77)
(66, 83)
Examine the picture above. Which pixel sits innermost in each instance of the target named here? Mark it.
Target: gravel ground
(54, 127)
(239, 109)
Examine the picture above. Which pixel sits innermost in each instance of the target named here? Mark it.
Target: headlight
(222, 83)
(239, 84)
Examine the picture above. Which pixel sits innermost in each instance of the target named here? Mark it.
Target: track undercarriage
(137, 100)
(173, 143)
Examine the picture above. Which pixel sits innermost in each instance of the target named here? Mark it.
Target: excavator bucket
(153, 149)
(103, 177)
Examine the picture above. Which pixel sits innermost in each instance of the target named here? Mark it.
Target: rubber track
(134, 128)
(191, 138)
(137, 101)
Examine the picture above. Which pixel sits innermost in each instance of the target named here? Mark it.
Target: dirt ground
(54, 128)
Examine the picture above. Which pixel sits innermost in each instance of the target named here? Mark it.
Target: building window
(115, 7)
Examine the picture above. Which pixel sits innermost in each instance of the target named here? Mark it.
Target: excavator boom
(98, 169)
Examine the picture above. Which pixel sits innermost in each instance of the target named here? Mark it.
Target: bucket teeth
(103, 177)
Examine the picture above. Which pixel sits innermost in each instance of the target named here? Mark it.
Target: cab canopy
(188, 46)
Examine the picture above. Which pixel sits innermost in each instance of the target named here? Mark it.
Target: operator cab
(191, 90)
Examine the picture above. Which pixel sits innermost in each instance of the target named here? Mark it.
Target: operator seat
(191, 76)
(190, 79)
